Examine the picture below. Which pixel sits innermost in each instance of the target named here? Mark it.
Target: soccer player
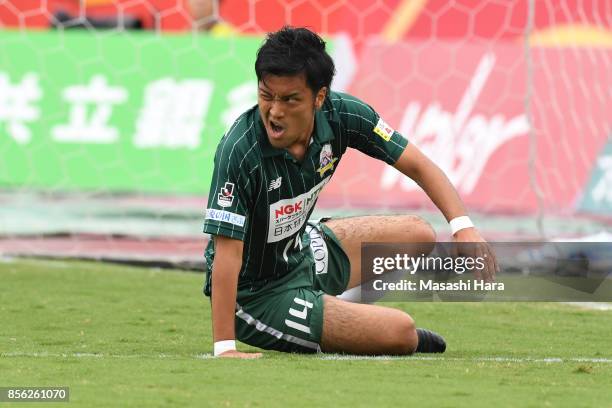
(266, 287)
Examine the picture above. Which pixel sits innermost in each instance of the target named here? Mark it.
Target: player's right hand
(239, 354)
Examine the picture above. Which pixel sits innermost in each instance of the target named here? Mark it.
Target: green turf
(122, 336)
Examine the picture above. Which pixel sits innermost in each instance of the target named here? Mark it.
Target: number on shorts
(300, 314)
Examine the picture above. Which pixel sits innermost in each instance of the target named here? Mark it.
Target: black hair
(293, 51)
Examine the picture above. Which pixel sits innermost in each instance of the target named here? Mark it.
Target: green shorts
(287, 318)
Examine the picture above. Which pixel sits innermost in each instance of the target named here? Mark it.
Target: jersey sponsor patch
(225, 216)
(225, 198)
(319, 249)
(383, 130)
(289, 215)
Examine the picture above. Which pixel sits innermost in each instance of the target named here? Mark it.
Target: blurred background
(111, 110)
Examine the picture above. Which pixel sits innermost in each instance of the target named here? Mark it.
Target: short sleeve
(228, 197)
(368, 132)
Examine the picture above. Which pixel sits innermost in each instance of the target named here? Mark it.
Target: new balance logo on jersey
(276, 183)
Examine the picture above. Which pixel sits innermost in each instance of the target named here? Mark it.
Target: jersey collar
(323, 132)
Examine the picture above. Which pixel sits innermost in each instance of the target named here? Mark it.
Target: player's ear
(320, 97)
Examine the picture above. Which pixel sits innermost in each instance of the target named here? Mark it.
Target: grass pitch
(123, 336)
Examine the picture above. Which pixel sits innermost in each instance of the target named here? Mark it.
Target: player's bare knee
(409, 335)
(416, 230)
(412, 340)
(421, 229)
(402, 338)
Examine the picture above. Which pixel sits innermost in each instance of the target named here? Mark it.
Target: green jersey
(262, 196)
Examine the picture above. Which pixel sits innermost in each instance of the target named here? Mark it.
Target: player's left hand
(475, 247)
(239, 354)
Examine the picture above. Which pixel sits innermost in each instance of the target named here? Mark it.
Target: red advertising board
(470, 107)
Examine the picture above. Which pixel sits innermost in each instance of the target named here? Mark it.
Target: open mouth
(276, 128)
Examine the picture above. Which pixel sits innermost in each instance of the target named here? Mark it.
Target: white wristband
(223, 346)
(459, 223)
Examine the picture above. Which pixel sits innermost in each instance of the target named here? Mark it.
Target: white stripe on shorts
(262, 327)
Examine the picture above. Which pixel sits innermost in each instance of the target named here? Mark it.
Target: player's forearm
(226, 268)
(442, 193)
(433, 181)
(224, 288)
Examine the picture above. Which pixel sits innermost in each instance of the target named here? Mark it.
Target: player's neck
(300, 147)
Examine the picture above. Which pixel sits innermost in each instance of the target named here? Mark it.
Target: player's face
(287, 107)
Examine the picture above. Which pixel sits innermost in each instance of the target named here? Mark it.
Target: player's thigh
(289, 321)
(351, 232)
(366, 329)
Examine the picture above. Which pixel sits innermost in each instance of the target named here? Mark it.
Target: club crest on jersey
(225, 198)
(326, 160)
(383, 130)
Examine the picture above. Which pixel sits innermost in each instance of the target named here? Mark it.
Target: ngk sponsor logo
(287, 210)
(289, 215)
